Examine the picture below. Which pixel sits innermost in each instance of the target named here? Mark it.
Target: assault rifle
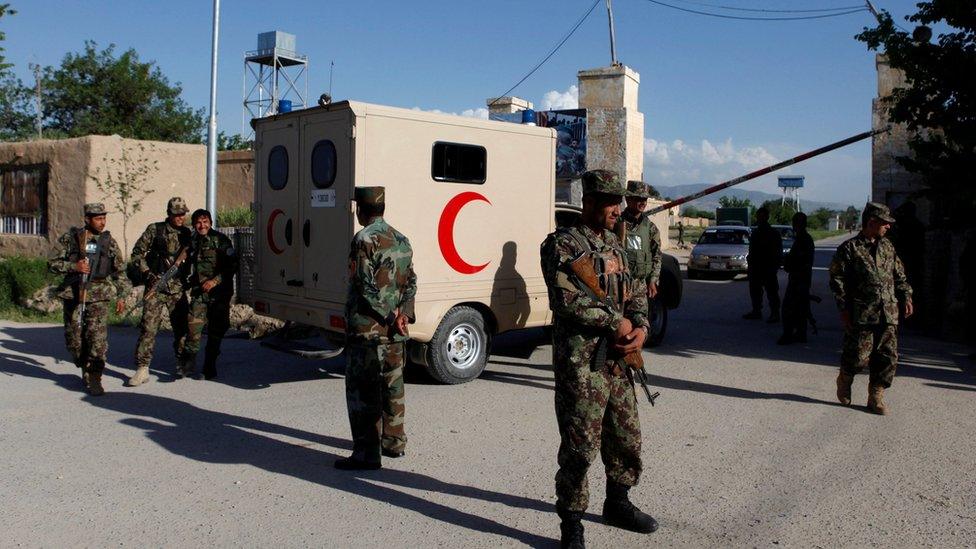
(168, 275)
(582, 267)
(85, 277)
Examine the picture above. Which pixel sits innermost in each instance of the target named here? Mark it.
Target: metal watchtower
(791, 185)
(275, 78)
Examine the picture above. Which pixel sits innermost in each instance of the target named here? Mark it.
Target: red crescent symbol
(271, 240)
(445, 232)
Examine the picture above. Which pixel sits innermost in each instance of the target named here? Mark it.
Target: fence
(244, 243)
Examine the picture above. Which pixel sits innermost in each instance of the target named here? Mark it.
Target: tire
(658, 317)
(458, 352)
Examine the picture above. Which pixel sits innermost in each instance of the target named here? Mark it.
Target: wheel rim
(464, 346)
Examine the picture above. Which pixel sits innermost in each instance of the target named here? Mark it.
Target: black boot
(210, 364)
(620, 512)
(571, 530)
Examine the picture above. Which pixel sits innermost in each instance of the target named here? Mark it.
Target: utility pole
(212, 127)
(39, 116)
(613, 39)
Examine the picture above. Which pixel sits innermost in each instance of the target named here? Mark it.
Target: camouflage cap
(370, 195)
(94, 209)
(637, 189)
(176, 206)
(602, 181)
(876, 209)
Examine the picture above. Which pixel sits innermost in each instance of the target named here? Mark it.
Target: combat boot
(620, 512)
(187, 366)
(210, 364)
(94, 385)
(141, 376)
(876, 400)
(571, 530)
(844, 382)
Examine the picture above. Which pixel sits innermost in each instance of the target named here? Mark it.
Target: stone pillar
(614, 126)
(506, 105)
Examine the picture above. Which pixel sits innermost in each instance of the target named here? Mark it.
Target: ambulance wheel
(658, 319)
(458, 351)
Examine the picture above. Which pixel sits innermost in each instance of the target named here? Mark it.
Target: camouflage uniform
(868, 281)
(213, 258)
(87, 341)
(643, 242)
(381, 281)
(596, 408)
(153, 254)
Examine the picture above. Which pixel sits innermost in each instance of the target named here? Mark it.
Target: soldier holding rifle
(600, 322)
(163, 246)
(92, 263)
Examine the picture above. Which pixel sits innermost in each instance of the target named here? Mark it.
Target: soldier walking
(212, 266)
(380, 304)
(155, 252)
(765, 257)
(796, 299)
(92, 263)
(868, 281)
(642, 243)
(596, 408)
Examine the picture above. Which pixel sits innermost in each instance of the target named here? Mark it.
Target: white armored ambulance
(475, 198)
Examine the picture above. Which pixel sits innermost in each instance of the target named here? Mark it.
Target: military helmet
(94, 209)
(602, 181)
(637, 189)
(373, 196)
(876, 209)
(176, 206)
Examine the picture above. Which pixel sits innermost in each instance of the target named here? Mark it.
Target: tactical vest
(611, 267)
(637, 245)
(98, 253)
(159, 257)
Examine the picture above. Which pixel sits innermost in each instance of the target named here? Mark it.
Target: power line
(551, 52)
(763, 10)
(747, 18)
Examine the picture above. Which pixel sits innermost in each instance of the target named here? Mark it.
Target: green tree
(850, 218)
(4, 10)
(691, 211)
(233, 142)
(126, 181)
(734, 202)
(16, 109)
(820, 218)
(99, 92)
(938, 104)
(779, 213)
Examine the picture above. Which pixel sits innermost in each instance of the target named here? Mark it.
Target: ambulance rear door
(277, 192)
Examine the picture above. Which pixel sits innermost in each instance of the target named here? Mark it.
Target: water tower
(275, 78)
(791, 185)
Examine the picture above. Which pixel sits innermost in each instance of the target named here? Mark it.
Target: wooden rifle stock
(85, 277)
(165, 278)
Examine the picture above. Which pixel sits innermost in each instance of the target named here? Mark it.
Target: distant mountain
(710, 202)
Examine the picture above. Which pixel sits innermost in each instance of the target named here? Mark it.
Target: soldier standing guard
(796, 299)
(92, 264)
(155, 252)
(596, 408)
(764, 259)
(379, 306)
(213, 264)
(643, 240)
(868, 281)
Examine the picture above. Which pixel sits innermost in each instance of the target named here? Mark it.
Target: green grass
(820, 234)
(19, 314)
(235, 217)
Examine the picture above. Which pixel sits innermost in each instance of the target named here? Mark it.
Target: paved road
(746, 447)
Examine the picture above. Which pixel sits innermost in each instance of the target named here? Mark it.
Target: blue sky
(720, 97)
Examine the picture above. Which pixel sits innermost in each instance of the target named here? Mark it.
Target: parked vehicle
(721, 249)
(476, 198)
(787, 235)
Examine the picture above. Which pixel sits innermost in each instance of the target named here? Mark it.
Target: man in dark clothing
(765, 257)
(908, 236)
(796, 299)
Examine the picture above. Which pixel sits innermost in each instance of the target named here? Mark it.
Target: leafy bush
(21, 277)
(235, 217)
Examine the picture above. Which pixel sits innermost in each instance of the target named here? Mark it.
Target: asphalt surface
(746, 447)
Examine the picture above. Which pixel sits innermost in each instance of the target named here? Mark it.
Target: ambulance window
(323, 164)
(458, 162)
(278, 168)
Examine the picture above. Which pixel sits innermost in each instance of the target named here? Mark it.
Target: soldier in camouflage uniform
(596, 408)
(379, 306)
(101, 260)
(643, 242)
(868, 281)
(213, 264)
(154, 253)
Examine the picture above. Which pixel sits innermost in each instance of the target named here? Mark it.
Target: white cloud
(559, 100)
(480, 112)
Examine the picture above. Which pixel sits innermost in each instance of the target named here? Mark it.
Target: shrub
(235, 217)
(20, 277)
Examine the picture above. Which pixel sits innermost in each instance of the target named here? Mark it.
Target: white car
(721, 249)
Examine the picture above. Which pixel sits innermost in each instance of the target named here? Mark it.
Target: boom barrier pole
(764, 171)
